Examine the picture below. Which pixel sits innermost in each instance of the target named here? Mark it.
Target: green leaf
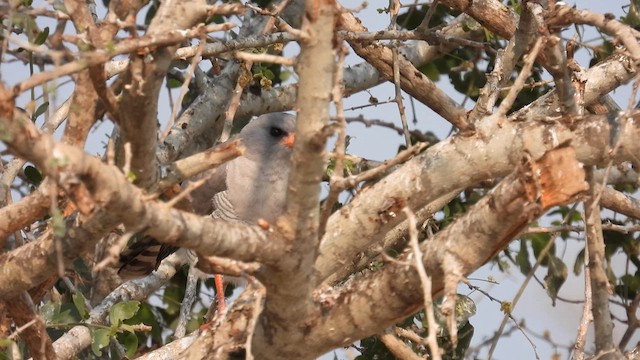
(42, 36)
(81, 269)
(538, 243)
(33, 175)
(7, 347)
(173, 83)
(110, 47)
(78, 301)
(100, 340)
(130, 342)
(522, 259)
(465, 335)
(173, 296)
(49, 310)
(556, 276)
(4, 342)
(373, 349)
(614, 241)
(151, 13)
(331, 167)
(579, 264)
(131, 176)
(285, 75)
(218, 19)
(59, 6)
(40, 110)
(268, 74)
(431, 71)
(63, 317)
(146, 315)
(447, 211)
(456, 351)
(465, 308)
(629, 287)
(123, 311)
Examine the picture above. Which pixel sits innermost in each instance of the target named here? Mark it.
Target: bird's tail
(142, 257)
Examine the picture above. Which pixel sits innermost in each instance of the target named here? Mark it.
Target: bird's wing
(223, 208)
(200, 198)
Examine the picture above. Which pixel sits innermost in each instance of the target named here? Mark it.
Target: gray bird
(254, 187)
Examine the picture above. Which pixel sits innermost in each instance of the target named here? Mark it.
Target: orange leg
(220, 301)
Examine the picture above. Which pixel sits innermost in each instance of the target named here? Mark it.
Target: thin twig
(113, 253)
(425, 280)
(190, 294)
(274, 59)
(397, 347)
(260, 294)
(353, 180)
(394, 7)
(419, 136)
(587, 316)
(555, 229)
(340, 146)
(100, 56)
(22, 328)
(518, 84)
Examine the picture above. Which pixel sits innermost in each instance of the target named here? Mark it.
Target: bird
(254, 189)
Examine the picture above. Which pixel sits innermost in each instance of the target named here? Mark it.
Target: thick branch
(138, 109)
(201, 124)
(491, 14)
(376, 300)
(15, 216)
(392, 239)
(289, 282)
(492, 153)
(620, 202)
(602, 78)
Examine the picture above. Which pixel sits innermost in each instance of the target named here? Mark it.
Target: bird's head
(269, 135)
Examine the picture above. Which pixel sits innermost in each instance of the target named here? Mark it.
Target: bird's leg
(220, 300)
(220, 303)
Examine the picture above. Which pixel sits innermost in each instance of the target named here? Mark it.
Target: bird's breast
(256, 190)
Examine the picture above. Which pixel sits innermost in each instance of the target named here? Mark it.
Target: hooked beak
(288, 141)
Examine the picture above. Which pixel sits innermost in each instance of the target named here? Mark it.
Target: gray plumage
(254, 187)
(257, 181)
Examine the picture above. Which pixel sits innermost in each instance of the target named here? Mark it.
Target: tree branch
(602, 322)
(289, 282)
(412, 81)
(369, 216)
(365, 305)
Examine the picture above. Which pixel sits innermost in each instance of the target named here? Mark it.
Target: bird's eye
(276, 132)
